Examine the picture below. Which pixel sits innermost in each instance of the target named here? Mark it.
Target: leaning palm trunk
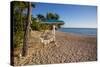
(27, 32)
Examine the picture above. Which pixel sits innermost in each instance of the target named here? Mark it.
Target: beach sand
(67, 48)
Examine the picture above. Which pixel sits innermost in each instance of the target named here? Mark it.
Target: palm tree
(20, 8)
(27, 29)
(51, 16)
(26, 34)
(56, 16)
(40, 17)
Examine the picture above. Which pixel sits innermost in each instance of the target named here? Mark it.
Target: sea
(80, 31)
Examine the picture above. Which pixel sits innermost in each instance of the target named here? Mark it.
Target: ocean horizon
(80, 31)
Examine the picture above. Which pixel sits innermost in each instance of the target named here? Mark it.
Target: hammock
(47, 37)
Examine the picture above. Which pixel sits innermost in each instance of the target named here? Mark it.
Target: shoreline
(82, 31)
(75, 34)
(76, 37)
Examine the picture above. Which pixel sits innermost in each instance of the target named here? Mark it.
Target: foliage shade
(20, 19)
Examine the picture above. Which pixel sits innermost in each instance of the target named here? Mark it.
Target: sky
(74, 16)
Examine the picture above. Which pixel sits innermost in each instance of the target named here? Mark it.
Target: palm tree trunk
(27, 32)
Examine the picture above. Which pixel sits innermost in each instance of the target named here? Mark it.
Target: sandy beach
(67, 48)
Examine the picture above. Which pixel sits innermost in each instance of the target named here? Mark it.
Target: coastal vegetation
(24, 21)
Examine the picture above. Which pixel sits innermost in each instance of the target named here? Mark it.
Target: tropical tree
(27, 29)
(49, 16)
(35, 24)
(19, 8)
(40, 17)
(56, 16)
(21, 23)
(52, 16)
(18, 25)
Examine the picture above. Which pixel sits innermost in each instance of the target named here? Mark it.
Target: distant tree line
(37, 25)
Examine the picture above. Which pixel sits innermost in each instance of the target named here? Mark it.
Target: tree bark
(27, 32)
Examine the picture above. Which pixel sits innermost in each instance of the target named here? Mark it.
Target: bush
(18, 39)
(35, 26)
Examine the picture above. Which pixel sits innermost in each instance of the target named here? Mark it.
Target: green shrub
(18, 39)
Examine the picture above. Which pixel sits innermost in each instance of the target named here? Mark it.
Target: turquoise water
(82, 31)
